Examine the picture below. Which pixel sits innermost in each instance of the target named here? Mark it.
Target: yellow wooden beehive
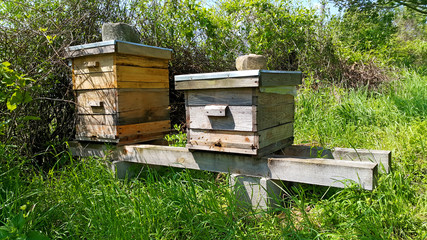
(122, 91)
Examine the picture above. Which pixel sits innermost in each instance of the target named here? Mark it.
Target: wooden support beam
(317, 171)
(382, 157)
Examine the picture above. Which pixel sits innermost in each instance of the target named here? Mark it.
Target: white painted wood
(325, 172)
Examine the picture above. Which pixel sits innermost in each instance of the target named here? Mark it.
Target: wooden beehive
(122, 91)
(248, 112)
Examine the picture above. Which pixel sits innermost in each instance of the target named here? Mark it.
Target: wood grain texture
(232, 97)
(273, 115)
(106, 62)
(96, 80)
(139, 61)
(275, 134)
(237, 118)
(324, 172)
(218, 83)
(140, 74)
(124, 133)
(222, 140)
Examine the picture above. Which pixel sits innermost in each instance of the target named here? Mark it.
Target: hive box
(248, 112)
(122, 91)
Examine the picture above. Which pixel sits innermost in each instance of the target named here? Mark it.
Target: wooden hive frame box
(122, 91)
(246, 112)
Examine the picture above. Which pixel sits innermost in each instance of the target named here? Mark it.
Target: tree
(416, 5)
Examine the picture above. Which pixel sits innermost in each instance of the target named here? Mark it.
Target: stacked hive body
(122, 91)
(248, 112)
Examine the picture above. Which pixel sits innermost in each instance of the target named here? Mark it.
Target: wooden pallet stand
(257, 176)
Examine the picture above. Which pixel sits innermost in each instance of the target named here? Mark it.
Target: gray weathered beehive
(122, 91)
(248, 112)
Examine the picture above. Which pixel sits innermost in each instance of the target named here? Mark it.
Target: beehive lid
(117, 46)
(238, 79)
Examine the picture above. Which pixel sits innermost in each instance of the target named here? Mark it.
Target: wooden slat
(275, 134)
(96, 131)
(87, 98)
(382, 157)
(90, 51)
(105, 61)
(98, 119)
(139, 74)
(269, 79)
(143, 128)
(139, 61)
(232, 97)
(140, 50)
(222, 140)
(217, 83)
(313, 171)
(323, 172)
(272, 98)
(123, 84)
(272, 115)
(98, 80)
(237, 118)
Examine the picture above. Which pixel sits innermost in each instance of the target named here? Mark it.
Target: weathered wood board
(382, 157)
(324, 172)
(120, 47)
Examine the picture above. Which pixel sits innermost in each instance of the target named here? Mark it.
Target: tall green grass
(82, 199)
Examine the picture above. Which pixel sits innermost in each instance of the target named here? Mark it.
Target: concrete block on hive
(119, 31)
(251, 62)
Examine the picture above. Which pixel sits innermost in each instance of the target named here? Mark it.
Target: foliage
(178, 139)
(83, 199)
(415, 5)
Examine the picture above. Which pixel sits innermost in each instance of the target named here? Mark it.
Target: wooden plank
(98, 119)
(113, 101)
(97, 80)
(238, 118)
(325, 172)
(223, 149)
(89, 100)
(139, 74)
(381, 157)
(271, 78)
(82, 64)
(232, 97)
(95, 132)
(217, 83)
(275, 134)
(269, 98)
(139, 61)
(147, 85)
(142, 50)
(274, 147)
(273, 115)
(143, 128)
(222, 140)
(90, 51)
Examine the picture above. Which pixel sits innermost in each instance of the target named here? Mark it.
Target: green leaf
(10, 106)
(6, 64)
(29, 118)
(4, 233)
(33, 235)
